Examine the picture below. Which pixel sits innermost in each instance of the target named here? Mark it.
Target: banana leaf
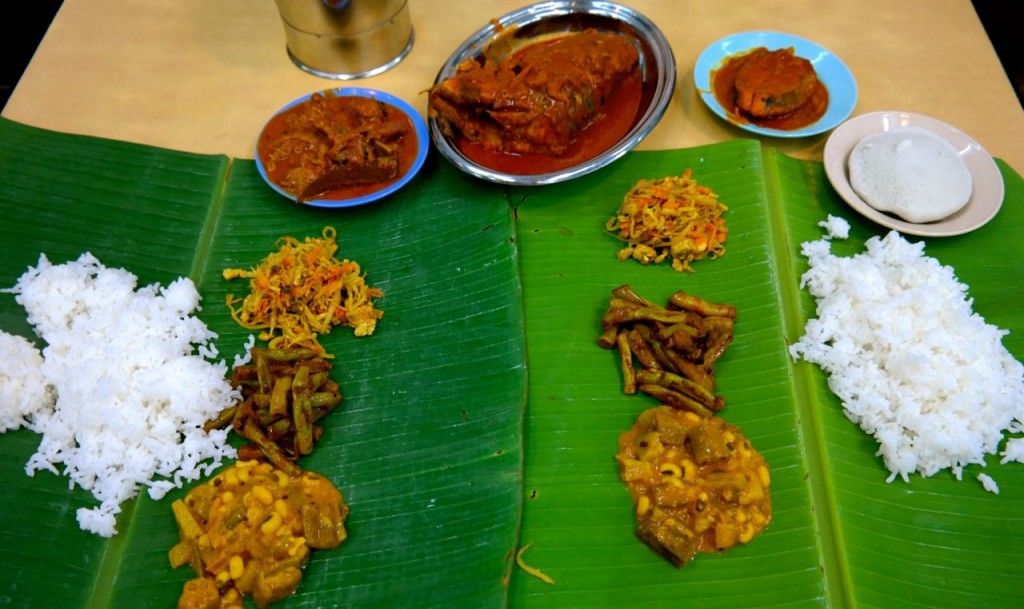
(841, 536)
(427, 444)
(448, 466)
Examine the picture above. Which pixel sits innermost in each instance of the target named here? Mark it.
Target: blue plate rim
(422, 145)
(831, 70)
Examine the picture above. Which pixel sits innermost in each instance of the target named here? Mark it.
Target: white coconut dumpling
(910, 172)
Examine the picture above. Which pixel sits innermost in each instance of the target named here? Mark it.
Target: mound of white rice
(118, 395)
(913, 364)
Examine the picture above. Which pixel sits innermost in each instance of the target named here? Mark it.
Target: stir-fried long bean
(285, 392)
(669, 352)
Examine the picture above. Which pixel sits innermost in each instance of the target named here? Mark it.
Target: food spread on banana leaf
(285, 395)
(697, 484)
(249, 532)
(337, 146)
(540, 97)
(672, 217)
(301, 291)
(776, 89)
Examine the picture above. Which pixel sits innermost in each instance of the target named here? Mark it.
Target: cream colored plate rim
(987, 188)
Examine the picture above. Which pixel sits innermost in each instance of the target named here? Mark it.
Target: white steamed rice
(24, 391)
(118, 394)
(912, 363)
(988, 483)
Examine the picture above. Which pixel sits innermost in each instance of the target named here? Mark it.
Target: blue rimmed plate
(422, 147)
(832, 72)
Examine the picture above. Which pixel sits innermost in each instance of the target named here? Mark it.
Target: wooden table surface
(204, 76)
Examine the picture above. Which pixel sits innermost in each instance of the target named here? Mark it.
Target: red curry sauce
(615, 120)
(723, 86)
(286, 123)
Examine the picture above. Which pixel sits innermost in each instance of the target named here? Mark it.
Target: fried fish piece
(537, 99)
(773, 83)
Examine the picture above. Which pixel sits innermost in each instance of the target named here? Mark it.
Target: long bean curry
(286, 393)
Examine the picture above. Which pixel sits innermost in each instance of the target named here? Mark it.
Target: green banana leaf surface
(841, 536)
(426, 446)
(482, 417)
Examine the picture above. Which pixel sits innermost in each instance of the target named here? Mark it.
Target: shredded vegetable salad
(670, 217)
(301, 291)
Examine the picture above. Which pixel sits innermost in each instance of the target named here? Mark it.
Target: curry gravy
(615, 120)
(723, 86)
